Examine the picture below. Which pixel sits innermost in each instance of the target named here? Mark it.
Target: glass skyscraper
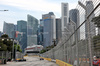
(58, 30)
(40, 33)
(49, 29)
(32, 27)
(9, 29)
(22, 38)
(74, 16)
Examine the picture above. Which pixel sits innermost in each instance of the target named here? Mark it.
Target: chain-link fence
(5, 56)
(80, 43)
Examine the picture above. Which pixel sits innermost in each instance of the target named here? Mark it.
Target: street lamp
(4, 10)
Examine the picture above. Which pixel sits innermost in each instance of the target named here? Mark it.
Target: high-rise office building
(8, 28)
(65, 15)
(32, 27)
(89, 9)
(40, 33)
(49, 29)
(58, 30)
(22, 36)
(74, 16)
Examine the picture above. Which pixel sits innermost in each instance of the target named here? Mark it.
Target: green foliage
(9, 44)
(20, 50)
(2, 57)
(47, 49)
(43, 51)
(17, 47)
(4, 36)
(6, 44)
(3, 47)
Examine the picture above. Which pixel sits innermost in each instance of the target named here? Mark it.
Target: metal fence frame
(80, 50)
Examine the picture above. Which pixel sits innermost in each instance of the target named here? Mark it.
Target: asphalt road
(31, 61)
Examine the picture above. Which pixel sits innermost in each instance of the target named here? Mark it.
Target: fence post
(89, 41)
(2, 58)
(77, 52)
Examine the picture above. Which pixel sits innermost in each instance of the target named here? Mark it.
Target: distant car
(9, 59)
(41, 59)
(20, 59)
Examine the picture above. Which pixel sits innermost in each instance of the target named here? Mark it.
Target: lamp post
(4, 10)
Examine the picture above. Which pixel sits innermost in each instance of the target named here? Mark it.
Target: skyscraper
(49, 29)
(89, 9)
(22, 38)
(65, 15)
(74, 16)
(8, 29)
(40, 33)
(32, 27)
(58, 30)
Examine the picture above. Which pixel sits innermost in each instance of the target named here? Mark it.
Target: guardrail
(61, 63)
(48, 59)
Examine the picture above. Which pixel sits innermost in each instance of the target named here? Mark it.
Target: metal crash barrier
(61, 63)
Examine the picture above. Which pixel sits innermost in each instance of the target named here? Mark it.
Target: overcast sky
(18, 9)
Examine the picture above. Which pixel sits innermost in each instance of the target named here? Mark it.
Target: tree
(4, 36)
(3, 47)
(8, 43)
(17, 47)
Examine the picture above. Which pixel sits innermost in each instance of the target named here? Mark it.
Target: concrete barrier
(61, 63)
(48, 59)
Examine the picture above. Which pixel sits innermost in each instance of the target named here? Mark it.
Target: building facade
(9, 29)
(22, 36)
(49, 29)
(40, 33)
(89, 9)
(58, 30)
(32, 27)
(74, 16)
(65, 15)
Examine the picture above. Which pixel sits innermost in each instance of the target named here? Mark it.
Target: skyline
(18, 10)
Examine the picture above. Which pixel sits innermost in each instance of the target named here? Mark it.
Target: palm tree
(96, 21)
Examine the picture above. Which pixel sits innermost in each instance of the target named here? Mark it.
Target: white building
(33, 50)
(65, 15)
